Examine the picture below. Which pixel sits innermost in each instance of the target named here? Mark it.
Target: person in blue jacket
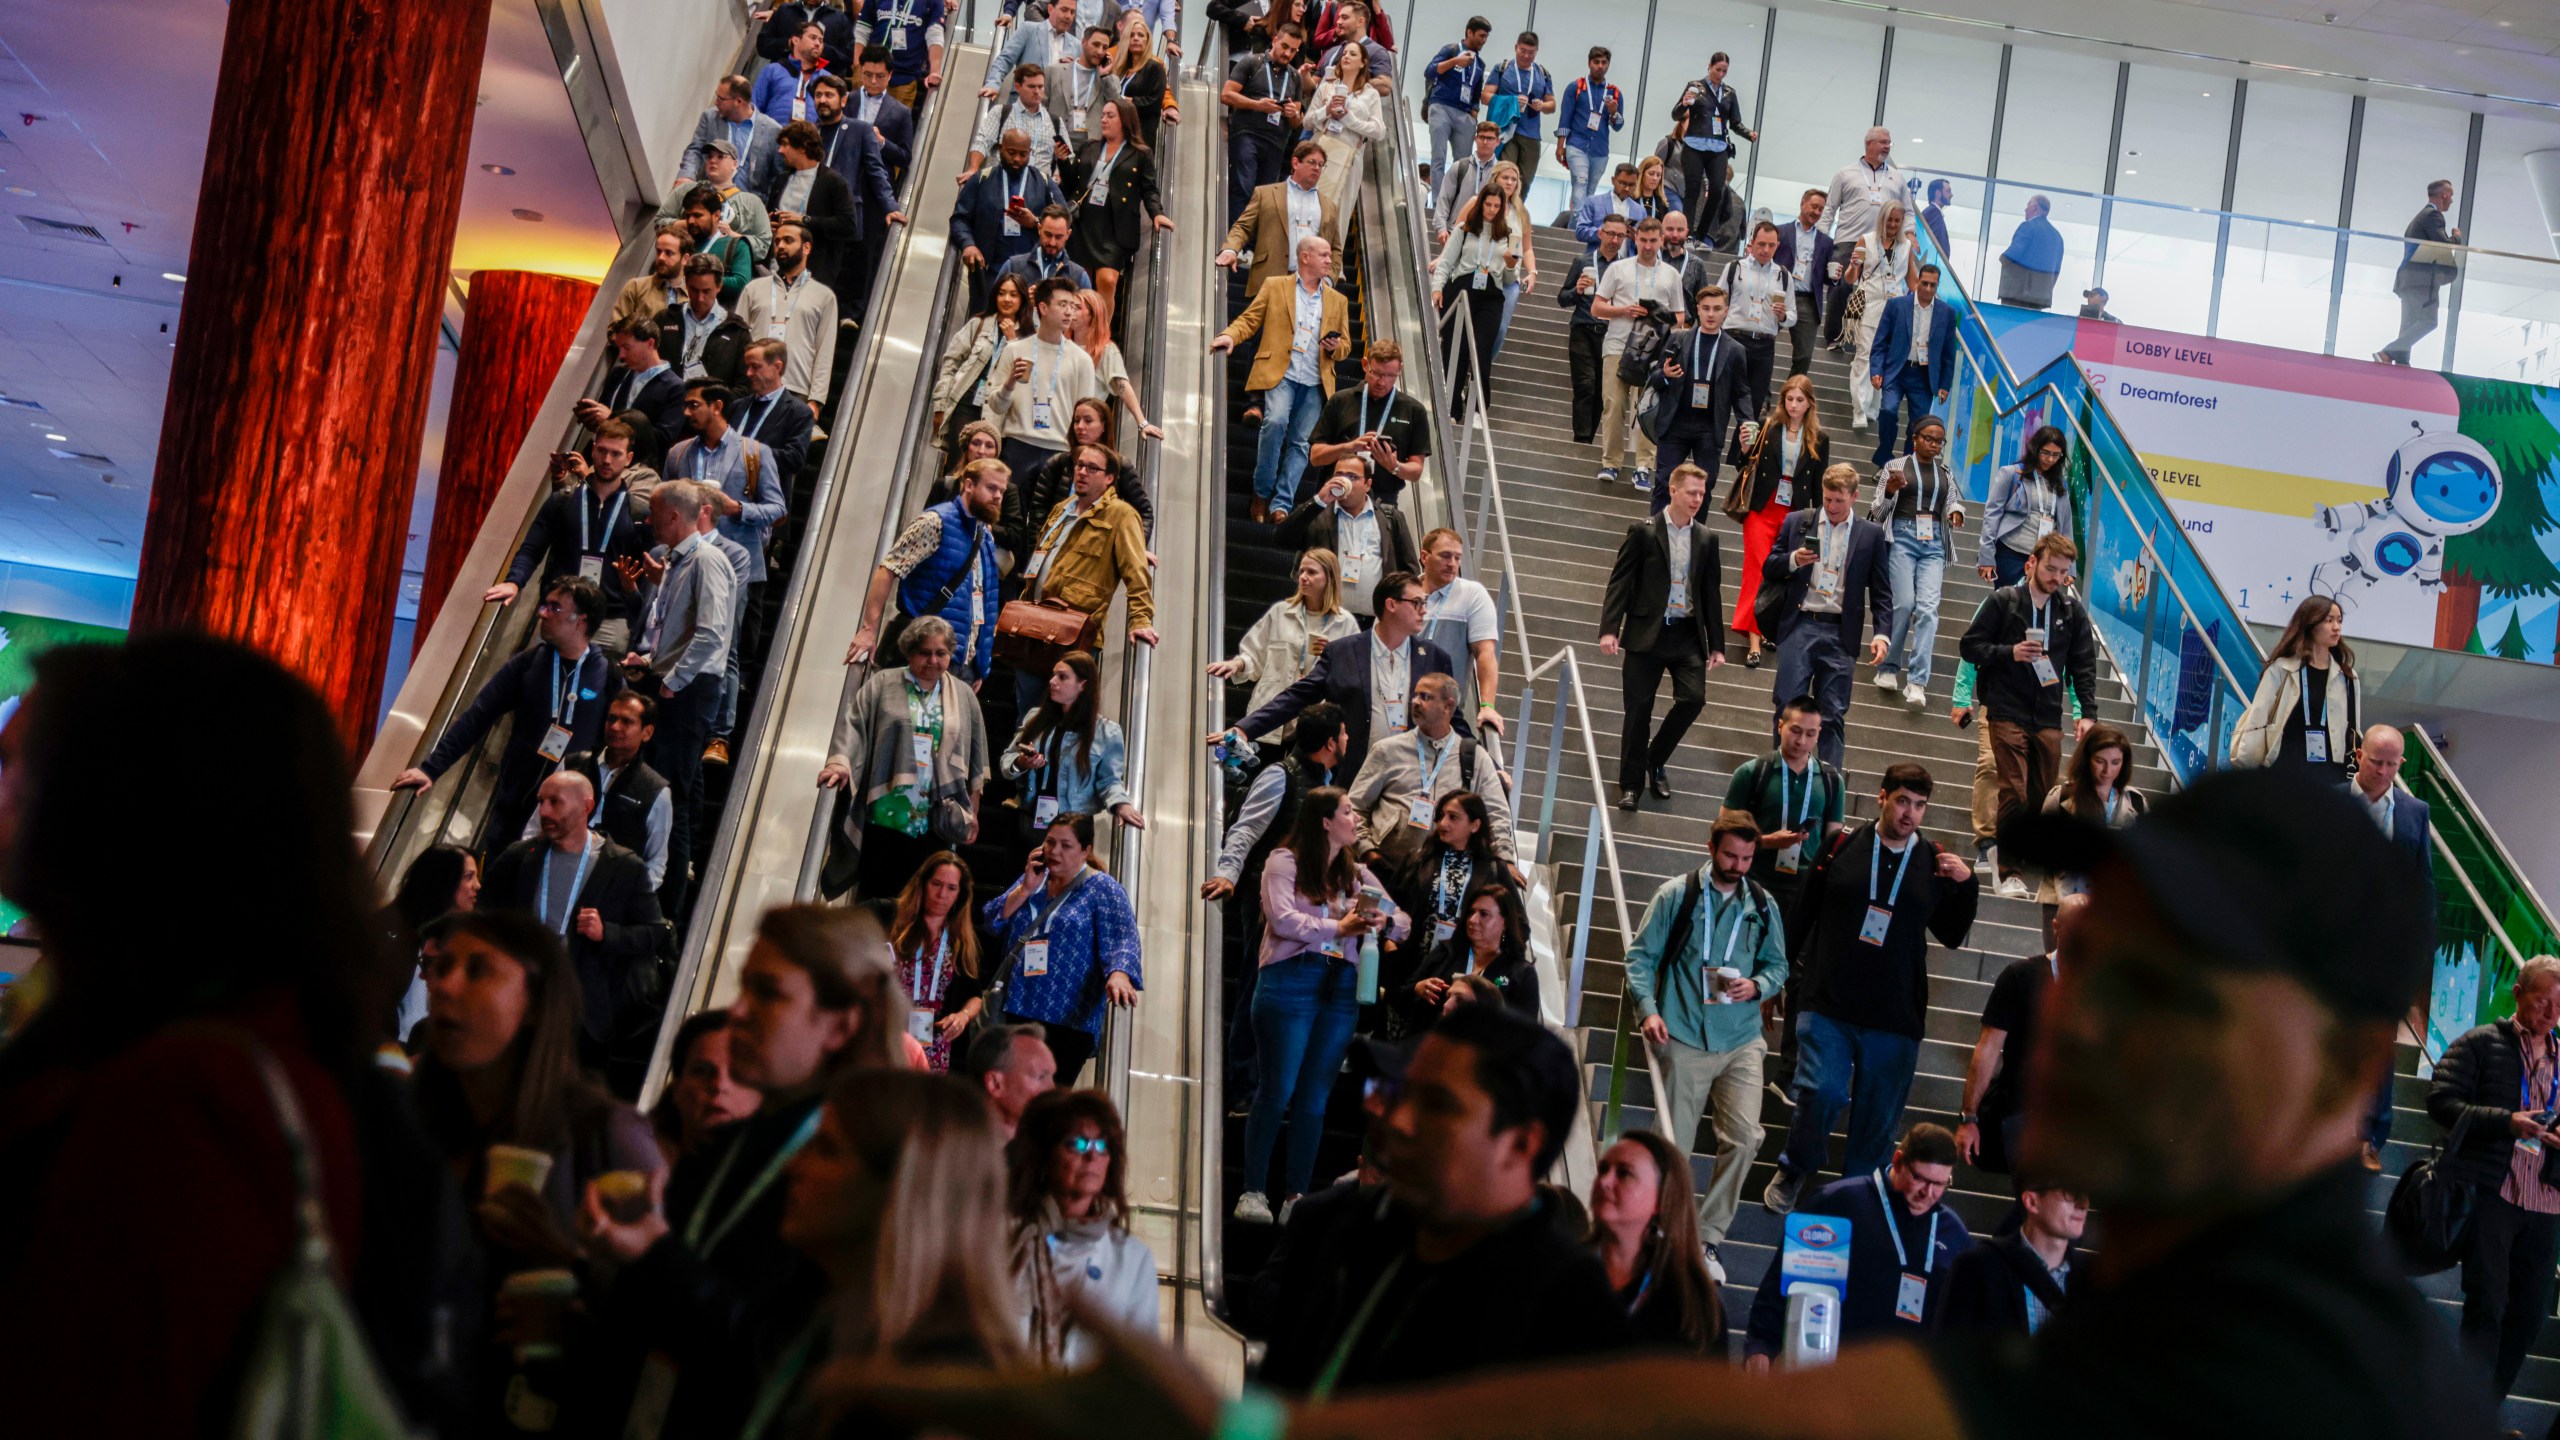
(1591, 111)
(782, 86)
(1456, 75)
(1517, 92)
(1902, 1240)
(2033, 260)
(1903, 380)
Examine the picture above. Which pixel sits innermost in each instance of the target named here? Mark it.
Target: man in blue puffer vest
(944, 563)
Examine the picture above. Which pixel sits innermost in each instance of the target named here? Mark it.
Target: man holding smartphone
(1377, 421)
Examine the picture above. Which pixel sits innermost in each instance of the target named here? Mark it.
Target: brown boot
(1259, 512)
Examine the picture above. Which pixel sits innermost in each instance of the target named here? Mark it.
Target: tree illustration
(2504, 557)
(2512, 644)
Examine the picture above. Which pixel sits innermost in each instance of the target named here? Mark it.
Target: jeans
(1917, 571)
(675, 752)
(1453, 132)
(2009, 566)
(1289, 412)
(2506, 1283)
(1510, 303)
(1907, 391)
(1813, 661)
(1585, 174)
(1641, 748)
(1252, 163)
(1303, 1011)
(1729, 1081)
(1842, 1064)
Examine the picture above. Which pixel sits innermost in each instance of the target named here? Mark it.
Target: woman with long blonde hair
(1654, 190)
(1283, 645)
(1885, 264)
(1782, 475)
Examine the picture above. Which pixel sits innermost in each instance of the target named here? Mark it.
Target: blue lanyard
(1875, 858)
(578, 882)
(1902, 1256)
(1805, 811)
(1701, 373)
(1431, 777)
(1707, 927)
(612, 518)
(2524, 1082)
(1364, 408)
(564, 697)
(693, 1236)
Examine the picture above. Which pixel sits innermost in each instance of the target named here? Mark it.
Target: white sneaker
(1916, 696)
(1886, 683)
(1858, 422)
(2014, 888)
(1986, 860)
(1286, 1206)
(1254, 1208)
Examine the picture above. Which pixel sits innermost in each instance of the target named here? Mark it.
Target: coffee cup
(539, 1302)
(516, 1165)
(1724, 976)
(624, 1194)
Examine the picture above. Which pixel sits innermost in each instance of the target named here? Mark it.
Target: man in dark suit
(2408, 822)
(773, 42)
(769, 413)
(733, 117)
(2419, 282)
(1664, 612)
(595, 895)
(998, 215)
(641, 389)
(804, 189)
(1913, 360)
(1804, 252)
(1700, 383)
(1823, 577)
(1349, 671)
(886, 114)
(556, 692)
(854, 151)
(1369, 537)
(702, 338)
(2012, 1284)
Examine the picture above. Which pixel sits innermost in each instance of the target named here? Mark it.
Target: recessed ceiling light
(499, 169)
(2506, 24)
(43, 495)
(2133, 172)
(1917, 140)
(173, 277)
(534, 216)
(50, 436)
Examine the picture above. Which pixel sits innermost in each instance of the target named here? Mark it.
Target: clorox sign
(1816, 1250)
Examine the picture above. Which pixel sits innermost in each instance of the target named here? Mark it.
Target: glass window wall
(1822, 99)
(1939, 104)
(1686, 34)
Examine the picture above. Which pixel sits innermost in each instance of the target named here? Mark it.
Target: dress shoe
(1627, 801)
(1259, 512)
(716, 753)
(1661, 783)
(1751, 659)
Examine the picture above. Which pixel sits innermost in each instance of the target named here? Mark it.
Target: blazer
(1594, 212)
(1341, 675)
(2413, 278)
(1311, 526)
(659, 403)
(835, 226)
(1862, 580)
(1762, 469)
(1728, 388)
(895, 125)
(1273, 315)
(522, 689)
(1987, 1288)
(1263, 228)
(1640, 584)
(784, 425)
(2411, 820)
(724, 355)
(618, 979)
(754, 167)
(1789, 236)
(1106, 88)
(1128, 202)
(552, 542)
(853, 153)
(773, 42)
(978, 217)
(1890, 355)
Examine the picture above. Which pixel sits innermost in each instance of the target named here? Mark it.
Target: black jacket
(657, 405)
(724, 354)
(1342, 676)
(1640, 584)
(618, 975)
(1310, 526)
(522, 688)
(1129, 204)
(1768, 461)
(1521, 1295)
(1728, 387)
(1580, 304)
(1517, 975)
(2008, 688)
(773, 42)
(783, 424)
(835, 226)
(1987, 1288)
(854, 152)
(2482, 1076)
(1867, 1308)
(1881, 987)
(553, 543)
(622, 812)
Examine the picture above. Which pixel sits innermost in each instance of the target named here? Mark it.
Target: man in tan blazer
(1280, 215)
(1305, 328)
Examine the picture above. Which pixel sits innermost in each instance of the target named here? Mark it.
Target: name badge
(1791, 859)
(1701, 394)
(1679, 607)
(2039, 525)
(555, 742)
(1879, 920)
(1331, 948)
(2315, 746)
(1011, 225)
(1786, 493)
(1042, 416)
(1358, 570)
(799, 108)
(591, 569)
(1482, 279)
(1911, 1297)
(920, 1025)
(2045, 673)
(1826, 578)
(1419, 817)
(1592, 121)
(1395, 715)
(1928, 529)
(920, 750)
(1075, 117)
(1441, 930)
(1035, 957)
(2530, 1147)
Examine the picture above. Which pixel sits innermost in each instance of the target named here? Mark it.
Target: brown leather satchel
(1031, 635)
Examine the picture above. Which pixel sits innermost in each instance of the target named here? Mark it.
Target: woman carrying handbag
(1781, 475)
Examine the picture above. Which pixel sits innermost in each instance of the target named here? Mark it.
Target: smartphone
(1332, 335)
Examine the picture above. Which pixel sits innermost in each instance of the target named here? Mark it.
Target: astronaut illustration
(2437, 486)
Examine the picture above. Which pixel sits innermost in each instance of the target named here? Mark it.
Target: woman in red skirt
(1783, 475)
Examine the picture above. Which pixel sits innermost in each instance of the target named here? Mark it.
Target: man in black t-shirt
(1995, 1080)
(1378, 420)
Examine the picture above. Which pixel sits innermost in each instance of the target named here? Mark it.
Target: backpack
(1646, 335)
(1821, 769)
(1756, 900)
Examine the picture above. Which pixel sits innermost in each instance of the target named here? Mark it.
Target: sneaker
(1783, 1192)
(1608, 475)
(1715, 1265)
(1253, 1208)
(1916, 696)
(1286, 1206)
(716, 753)
(1887, 682)
(1858, 423)
(1986, 858)
(2013, 888)
(1643, 482)
(1779, 1092)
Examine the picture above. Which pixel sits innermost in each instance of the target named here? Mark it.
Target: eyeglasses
(1087, 467)
(1405, 599)
(1084, 1145)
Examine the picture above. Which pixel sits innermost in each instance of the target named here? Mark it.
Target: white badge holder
(2315, 746)
(1419, 816)
(1927, 529)
(1395, 715)
(1701, 394)
(1075, 117)
(1791, 859)
(1042, 416)
(920, 750)
(1911, 1297)
(1043, 810)
(2045, 673)
(1035, 957)
(1872, 929)
(2039, 525)
(1678, 609)
(1482, 279)
(920, 1025)
(1786, 493)
(591, 569)
(1592, 120)
(555, 743)
(1441, 930)
(1011, 225)
(1826, 578)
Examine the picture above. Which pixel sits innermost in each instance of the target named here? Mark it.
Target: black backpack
(1646, 335)
(1757, 900)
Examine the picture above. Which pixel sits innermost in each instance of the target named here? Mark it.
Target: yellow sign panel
(2239, 487)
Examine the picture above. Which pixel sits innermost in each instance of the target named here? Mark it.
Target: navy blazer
(854, 152)
(619, 985)
(522, 688)
(1863, 577)
(834, 223)
(1891, 353)
(783, 425)
(2410, 822)
(661, 401)
(1819, 271)
(978, 218)
(1342, 676)
(895, 126)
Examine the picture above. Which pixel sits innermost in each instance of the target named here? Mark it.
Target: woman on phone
(1782, 475)
(1317, 905)
(1644, 1228)
(1284, 644)
(1144, 77)
(961, 380)
(937, 954)
(1067, 755)
(1492, 941)
(1069, 1196)
(2308, 708)
(1345, 116)
(1483, 257)
(1070, 944)
(2028, 501)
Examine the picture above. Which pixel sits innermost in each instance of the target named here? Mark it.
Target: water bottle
(1371, 898)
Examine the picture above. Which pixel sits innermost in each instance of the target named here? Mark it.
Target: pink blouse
(1293, 925)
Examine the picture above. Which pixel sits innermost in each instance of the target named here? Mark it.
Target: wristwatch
(1973, 1120)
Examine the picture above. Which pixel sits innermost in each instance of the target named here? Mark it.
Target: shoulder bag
(2429, 1215)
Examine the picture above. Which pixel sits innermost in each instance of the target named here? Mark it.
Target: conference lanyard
(1271, 91)
(1901, 1256)
(931, 993)
(1364, 407)
(564, 690)
(1047, 919)
(612, 519)
(1331, 1375)
(1701, 373)
(2037, 615)
(1927, 499)
(702, 1245)
(1804, 812)
(2524, 1082)
(577, 882)
(1081, 84)
(1875, 858)
(791, 297)
(702, 467)
(1707, 930)
(1098, 189)
(1431, 777)
(1013, 196)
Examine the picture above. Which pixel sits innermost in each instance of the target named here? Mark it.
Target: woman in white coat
(1345, 116)
(1285, 643)
(1068, 1193)
(1884, 265)
(2309, 701)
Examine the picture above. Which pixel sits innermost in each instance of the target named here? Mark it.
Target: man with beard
(663, 287)
(944, 563)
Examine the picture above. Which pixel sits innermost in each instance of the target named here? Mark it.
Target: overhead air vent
(83, 456)
(62, 230)
(12, 402)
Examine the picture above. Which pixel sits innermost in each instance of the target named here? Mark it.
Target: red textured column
(298, 393)
(515, 328)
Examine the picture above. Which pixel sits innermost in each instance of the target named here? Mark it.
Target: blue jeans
(1906, 391)
(1917, 571)
(1585, 173)
(1812, 661)
(1453, 132)
(1252, 163)
(1289, 412)
(1842, 1064)
(1303, 1011)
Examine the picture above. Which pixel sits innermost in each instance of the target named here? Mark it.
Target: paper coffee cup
(624, 1193)
(515, 1165)
(1725, 975)
(540, 1300)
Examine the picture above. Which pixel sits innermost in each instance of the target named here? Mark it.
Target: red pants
(1758, 534)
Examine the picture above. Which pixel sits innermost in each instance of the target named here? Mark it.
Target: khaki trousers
(1729, 1081)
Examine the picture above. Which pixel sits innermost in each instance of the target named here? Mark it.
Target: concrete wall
(2505, 762)
(658, 48)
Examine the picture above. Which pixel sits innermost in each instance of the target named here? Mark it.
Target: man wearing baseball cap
(2201, 1073)
(2093, 303)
